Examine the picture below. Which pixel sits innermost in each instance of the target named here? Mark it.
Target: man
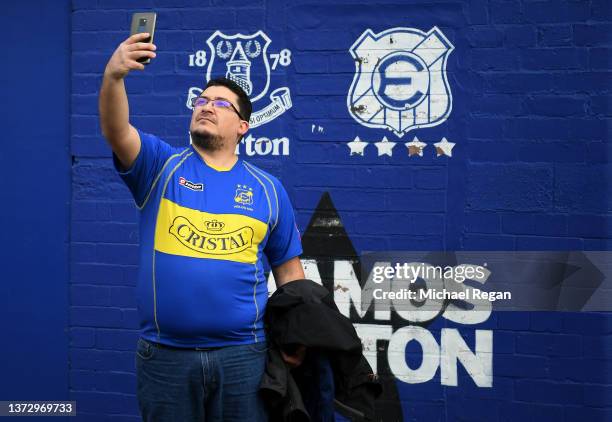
(206, 220)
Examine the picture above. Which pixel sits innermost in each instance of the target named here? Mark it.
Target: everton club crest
(400, 80)
(241, 58)
(244, 60)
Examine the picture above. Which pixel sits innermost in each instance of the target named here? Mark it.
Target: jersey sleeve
(285, 241)
(148, 164)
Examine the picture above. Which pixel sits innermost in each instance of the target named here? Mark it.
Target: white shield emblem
(400, 81)
(241, 58)
(244, 59)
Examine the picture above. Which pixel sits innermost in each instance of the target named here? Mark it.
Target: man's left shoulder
(264, 176)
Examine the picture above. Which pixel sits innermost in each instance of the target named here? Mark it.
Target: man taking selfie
(207, 218)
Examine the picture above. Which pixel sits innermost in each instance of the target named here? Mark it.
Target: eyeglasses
(217, 103)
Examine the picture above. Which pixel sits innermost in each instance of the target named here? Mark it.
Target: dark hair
(244, 103)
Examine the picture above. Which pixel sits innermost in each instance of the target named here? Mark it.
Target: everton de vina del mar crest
(400, 83)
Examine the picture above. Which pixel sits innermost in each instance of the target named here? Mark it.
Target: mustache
(206, 116)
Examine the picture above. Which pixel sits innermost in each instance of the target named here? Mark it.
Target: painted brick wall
(530, 171)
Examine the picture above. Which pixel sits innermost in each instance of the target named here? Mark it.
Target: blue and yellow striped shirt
(203, 234)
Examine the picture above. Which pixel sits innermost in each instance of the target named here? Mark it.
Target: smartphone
(144, 22)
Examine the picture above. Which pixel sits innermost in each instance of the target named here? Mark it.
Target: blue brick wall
(34, 268)
(530, 171)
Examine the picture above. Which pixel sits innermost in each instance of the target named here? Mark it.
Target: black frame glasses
(216, 103)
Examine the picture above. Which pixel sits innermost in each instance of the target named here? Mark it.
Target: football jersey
(203, 233)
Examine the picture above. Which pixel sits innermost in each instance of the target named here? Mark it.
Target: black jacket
(304, 312)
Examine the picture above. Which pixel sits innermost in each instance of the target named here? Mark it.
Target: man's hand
(126, 55)
(296, 359)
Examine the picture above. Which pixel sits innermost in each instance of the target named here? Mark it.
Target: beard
(205, 140)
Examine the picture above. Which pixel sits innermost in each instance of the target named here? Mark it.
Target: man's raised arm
(113, 102)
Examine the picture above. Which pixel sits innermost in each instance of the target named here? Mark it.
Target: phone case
(144, 22)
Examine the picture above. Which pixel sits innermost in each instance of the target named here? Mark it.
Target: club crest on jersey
(400, 81)
(243, 195)
(244, 60)
(190, 185)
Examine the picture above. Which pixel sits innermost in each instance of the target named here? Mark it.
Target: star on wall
(415, 147)
(357, 146)
(444, 148)
(385, 147)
